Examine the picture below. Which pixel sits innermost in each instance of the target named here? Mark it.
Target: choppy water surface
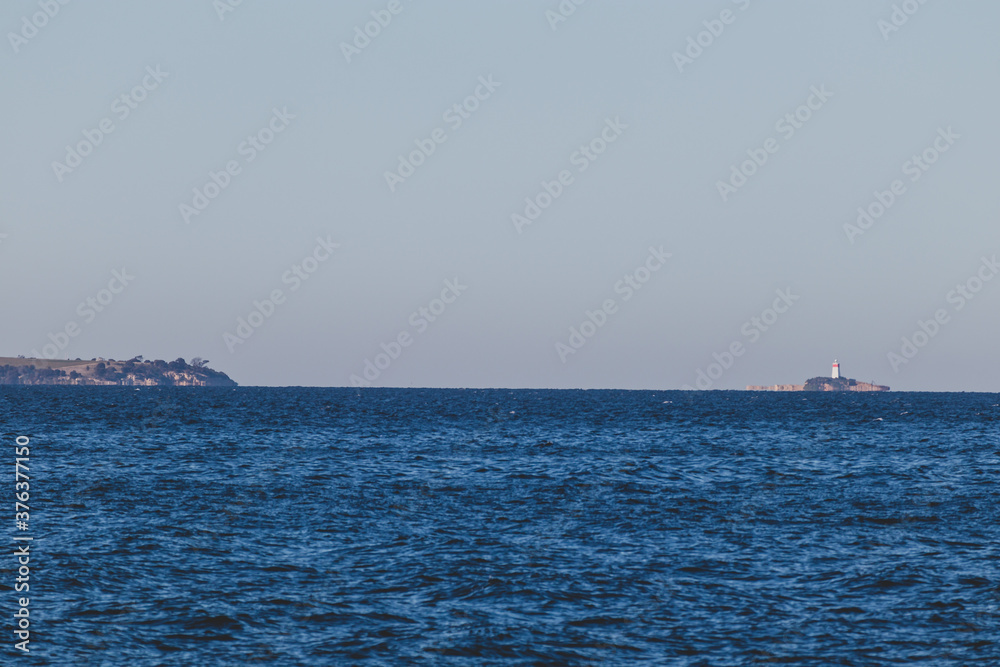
(332, 526)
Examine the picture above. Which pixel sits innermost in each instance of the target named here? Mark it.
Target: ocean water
(195, 526)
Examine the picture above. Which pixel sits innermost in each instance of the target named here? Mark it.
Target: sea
(311, 526)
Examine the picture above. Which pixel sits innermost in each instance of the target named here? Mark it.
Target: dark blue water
(185, 526)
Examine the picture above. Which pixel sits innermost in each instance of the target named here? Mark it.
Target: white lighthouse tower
(836, 369)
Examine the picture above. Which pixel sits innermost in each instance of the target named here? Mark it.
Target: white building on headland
(836, 369)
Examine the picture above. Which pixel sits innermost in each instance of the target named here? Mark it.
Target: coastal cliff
(108, 372)
(822, 384)
(775, 387)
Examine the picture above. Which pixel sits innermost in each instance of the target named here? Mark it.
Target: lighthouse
(836, 369)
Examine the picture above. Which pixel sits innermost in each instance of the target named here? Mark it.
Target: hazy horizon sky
(615, 122)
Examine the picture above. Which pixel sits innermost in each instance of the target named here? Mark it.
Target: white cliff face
(185, 379)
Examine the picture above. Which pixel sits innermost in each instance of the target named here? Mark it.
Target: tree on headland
(30, 375)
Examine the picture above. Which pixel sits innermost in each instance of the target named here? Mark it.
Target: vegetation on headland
(840, 384)
(134, 372)
(828, 384)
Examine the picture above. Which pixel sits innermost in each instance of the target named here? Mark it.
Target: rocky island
(135, 372)
(833, 383)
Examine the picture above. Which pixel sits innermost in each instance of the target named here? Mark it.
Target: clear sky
(682, 190)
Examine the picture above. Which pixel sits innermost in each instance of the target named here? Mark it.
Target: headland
(822, 384)
(135, 372)
(833, 383)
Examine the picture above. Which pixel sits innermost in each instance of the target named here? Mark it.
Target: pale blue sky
(655, 185)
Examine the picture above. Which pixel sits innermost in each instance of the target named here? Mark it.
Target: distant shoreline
(135, 372)
(823, 384)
